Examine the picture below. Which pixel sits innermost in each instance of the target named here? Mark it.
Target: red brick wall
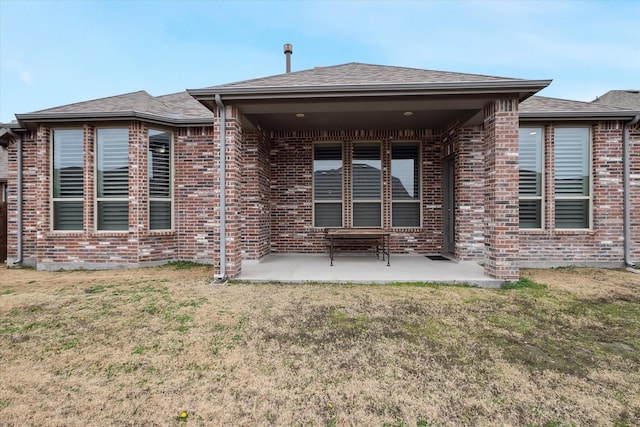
(292, 198)
(500, 150)
(256, 197)
(196, 225)
(196, 194)
(470, 181)
(270, 198)
(604, 242)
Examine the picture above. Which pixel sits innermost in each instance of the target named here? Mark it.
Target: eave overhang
(577, 115)
(28, 120)
(524, 88)
(367, 105)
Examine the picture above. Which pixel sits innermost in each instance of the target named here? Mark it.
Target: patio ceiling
(365, 113)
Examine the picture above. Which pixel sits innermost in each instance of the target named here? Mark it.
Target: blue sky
(58, 52)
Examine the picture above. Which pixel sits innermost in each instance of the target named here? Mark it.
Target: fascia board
(582, 115)
(326, 91)
(108, 116)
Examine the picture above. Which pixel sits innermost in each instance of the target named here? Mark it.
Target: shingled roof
(629, 99)
(174, 108)
(540, 107)
(355, 73)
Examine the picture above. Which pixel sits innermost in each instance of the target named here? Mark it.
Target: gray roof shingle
(540, 104)
(177, 106)
(356, 73)
(629, 99)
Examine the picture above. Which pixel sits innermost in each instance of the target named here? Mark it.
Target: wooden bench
(375, 236)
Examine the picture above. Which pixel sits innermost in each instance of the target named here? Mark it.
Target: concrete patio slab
(364, 269)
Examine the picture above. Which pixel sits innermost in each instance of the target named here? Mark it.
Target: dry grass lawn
(161, 346)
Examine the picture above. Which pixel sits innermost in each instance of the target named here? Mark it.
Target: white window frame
(588, 198)
(368, 200)
(53, 199)
(419, 201)
(313, 183)
(97, 199)
(543, 182)
(169, 199)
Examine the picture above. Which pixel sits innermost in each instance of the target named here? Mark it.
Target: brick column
(37, 171)
(500, 146)
(234, 171)
(138, 185)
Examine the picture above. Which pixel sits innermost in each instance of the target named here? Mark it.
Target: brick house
(474, 167)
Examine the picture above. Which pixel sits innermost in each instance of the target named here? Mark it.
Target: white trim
(382, 183)
(341, 144)
(420, 185)
(589, 198)
(543, 183)
(169, 199)
(52, 199)
(97, 199)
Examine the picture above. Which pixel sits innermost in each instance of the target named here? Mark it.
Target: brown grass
(139, 347)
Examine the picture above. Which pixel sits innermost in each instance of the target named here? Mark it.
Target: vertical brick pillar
(469, 207)
(234, 171)
(500, 145)
(138, 184)
(40, 180)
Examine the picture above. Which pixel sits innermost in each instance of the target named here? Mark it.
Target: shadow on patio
(364, 269)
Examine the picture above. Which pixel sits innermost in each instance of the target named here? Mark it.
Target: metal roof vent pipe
(288, 50)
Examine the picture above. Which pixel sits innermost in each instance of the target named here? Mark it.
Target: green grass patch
(185, 265)
(523, 283)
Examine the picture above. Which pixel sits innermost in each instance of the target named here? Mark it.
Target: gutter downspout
(627, 191)
(19, 195)
(223, 190)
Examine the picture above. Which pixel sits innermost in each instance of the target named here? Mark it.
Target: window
(160, 191)
(405, 184)
(367, 185)
(572, 148)
(530, 166)
(112, 179)
(327, 185)
(68, 179)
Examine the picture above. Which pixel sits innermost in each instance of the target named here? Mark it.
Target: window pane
(405, 170)
(327, 172)
(405, 214)
(113, 162)
(530, 214)
(571, 146)
(328, 215)
(160, 215)
(530, 161)
(159, 164)
(68, 178)
(572, 213)
(367, 171)
(67, 215)
(68, 163)
(367, 215)
(113, 215)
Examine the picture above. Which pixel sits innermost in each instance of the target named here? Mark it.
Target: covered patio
(429, 157)
(355, 268)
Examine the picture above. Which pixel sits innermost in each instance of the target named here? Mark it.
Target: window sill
(557, 232)
(162, 232)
